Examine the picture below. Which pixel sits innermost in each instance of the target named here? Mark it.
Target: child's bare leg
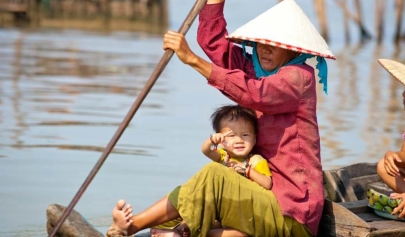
(395, 183)
(159, 213)
(226, 232)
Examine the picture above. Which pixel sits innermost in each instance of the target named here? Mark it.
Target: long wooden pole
(151, 81)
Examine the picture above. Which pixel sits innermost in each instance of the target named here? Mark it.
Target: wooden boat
(345, 212)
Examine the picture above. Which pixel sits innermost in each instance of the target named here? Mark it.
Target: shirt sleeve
(211, 35)
(275, 94)
(261, 166)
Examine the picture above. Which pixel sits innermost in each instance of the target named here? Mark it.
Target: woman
(391, 168)
(281, 88)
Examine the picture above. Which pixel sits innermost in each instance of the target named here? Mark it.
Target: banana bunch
(381, 202)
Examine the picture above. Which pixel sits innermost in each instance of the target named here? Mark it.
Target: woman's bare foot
(122, 216)
(185, 232)
(154, 232)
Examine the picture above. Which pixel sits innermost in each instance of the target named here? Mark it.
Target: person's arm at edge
(214, 1)
(393, 159)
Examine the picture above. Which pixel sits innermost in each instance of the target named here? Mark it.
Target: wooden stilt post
(379, 19)
(346, 27)
(364, 34)
(163, 6)
(355, 18)
(106, 11)
(321, 13)
(33, 12)
(399, 9)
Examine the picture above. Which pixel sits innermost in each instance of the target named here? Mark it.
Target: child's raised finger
(227, 133)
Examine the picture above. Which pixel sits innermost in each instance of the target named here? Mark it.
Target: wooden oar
(151, 81)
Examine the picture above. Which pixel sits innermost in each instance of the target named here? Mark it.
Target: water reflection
(365, 102)
(54, 83)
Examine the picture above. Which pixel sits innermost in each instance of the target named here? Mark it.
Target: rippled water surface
(64, 92)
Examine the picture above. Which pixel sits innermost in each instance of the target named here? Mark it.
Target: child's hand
(218, 138)
(390, 158)
(400, 208)
(238, 167)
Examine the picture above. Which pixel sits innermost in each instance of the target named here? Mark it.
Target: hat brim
(285, 25)
(280, 45)
(396, 69)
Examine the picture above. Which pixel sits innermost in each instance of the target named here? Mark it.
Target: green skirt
(219, 193)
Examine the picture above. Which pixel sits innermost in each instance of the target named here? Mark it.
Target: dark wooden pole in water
(398, 17)
(363, 32)
(346, 27)
(356, 18)
(379, 19)
(321, 13)
(145, 90)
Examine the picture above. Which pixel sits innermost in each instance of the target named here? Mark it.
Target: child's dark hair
(233, 113)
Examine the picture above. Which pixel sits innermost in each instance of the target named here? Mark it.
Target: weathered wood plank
(337, 185)
(361, 169)
(348, 192)
(357, 207)
(337, 221)
(380, 187)
(360, 184)
(388, 233)
(382, 224)
(371, 218)
(75, 224)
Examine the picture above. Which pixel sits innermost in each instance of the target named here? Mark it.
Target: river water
(64, 92)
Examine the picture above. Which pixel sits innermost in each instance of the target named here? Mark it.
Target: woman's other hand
(400, 208)
(390, 158)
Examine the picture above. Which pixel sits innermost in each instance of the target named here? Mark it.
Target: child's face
(241, 140)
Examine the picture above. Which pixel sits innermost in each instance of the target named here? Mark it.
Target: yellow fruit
(375, 197)
(378, 206)
(387, 209)
(383, 199)
(370, 201)
(392, 202)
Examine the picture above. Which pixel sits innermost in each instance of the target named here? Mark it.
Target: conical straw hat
(396, 69)
(286, 26)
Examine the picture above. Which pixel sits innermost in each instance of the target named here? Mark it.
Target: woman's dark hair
(233, 113)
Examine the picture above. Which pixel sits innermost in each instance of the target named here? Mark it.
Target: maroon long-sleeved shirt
(285, 105)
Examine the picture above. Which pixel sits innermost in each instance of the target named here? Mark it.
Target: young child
(391, 168)
(231, 145)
